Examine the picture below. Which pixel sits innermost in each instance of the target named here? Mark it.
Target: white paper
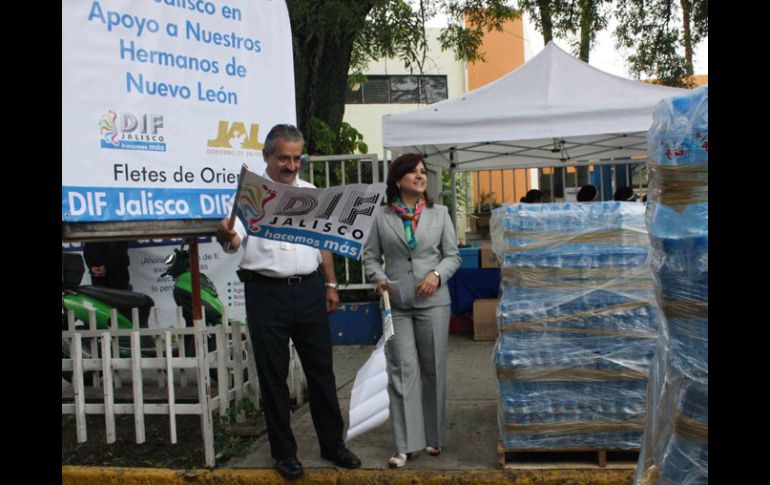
(369, 401)
(369, 397)
(373, 422)
(371, 383)
(363, 411)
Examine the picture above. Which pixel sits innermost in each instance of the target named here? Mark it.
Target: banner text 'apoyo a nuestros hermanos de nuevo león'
(164, 100)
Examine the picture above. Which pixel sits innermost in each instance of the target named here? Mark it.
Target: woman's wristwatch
(332, 285)
(438, 275)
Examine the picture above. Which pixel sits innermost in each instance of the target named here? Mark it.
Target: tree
(541, 13)
(331, 36)
(575, 20)
(661, 35)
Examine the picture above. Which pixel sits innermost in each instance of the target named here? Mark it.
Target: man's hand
(227, 237)
(428, 286)
(332, 300)
(99, 271)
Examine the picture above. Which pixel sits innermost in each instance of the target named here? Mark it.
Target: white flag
(369, 398)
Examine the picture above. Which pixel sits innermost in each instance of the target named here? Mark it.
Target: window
(355, 94)
(433, 88)
(377, 91)
(405, 89)
(398, 89)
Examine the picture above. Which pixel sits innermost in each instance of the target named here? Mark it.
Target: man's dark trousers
(276, 311)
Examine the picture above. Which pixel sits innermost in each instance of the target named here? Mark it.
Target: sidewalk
(471, 434)
(470, 452)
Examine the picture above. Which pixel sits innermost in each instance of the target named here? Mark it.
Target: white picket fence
(98, 350)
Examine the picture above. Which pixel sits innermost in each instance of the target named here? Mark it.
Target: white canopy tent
(554, 110)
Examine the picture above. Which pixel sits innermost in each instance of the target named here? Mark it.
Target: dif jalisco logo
(252, 202)
(130, 131)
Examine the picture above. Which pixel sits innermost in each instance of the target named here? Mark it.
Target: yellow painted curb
(76, 475)
(486, 477)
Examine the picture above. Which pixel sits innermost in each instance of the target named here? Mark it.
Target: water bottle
(572, 411)
(560, 411)
(609, 409)
(525, 416)
(548, 411)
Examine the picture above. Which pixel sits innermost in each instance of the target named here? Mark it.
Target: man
(108, 263)
(286, 297)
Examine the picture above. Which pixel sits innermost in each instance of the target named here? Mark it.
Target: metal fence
(333, 170)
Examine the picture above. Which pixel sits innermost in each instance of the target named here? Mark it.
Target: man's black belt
(248, 275)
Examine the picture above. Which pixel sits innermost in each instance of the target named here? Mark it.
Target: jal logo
(235, 136)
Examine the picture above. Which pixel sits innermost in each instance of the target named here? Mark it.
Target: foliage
(488, 202)
(227, 446)
(331, 37)
(481, 15)
(463, 185)
(661, 35)
(577, 21)
(393, 29)
(347, 140)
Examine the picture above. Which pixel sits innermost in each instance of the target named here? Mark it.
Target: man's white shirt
(277, 259)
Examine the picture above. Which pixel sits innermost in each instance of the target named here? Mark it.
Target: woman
(417, 241)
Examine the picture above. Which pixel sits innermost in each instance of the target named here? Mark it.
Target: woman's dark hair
(534, 196)
(586, 193)
(401, 166)
(624, 193)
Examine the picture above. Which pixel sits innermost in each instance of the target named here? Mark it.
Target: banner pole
(231, 222)
(244, 168)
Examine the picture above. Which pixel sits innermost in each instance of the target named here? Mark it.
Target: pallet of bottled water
(578, 325)
(675, 447)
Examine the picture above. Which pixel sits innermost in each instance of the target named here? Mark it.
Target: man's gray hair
(286, 133)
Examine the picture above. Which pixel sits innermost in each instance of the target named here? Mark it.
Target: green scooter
(82, 299)
(178, 264)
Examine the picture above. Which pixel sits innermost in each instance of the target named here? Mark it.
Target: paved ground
(471, 415)
(470, 453)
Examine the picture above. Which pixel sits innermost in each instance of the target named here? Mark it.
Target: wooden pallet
(566, 458)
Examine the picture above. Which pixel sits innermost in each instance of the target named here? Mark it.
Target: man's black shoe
(342, 457)
(289, 468)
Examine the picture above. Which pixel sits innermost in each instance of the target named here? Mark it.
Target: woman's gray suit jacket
(436, 249)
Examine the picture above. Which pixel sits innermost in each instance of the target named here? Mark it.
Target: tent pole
(453, 175)
(384, 164)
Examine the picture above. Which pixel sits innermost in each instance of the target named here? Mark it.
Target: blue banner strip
(333, 244)
(100, 204)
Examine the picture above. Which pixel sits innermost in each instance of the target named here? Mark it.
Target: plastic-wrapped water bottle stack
(675, 446)
(578, 324)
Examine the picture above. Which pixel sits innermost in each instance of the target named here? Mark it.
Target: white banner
(147, 266)
(163, 100)
(336, 219)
